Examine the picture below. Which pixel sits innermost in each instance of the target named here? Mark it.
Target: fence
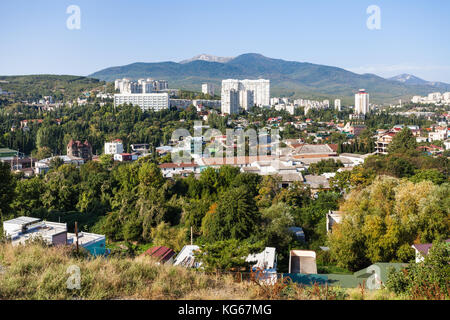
(304, 279)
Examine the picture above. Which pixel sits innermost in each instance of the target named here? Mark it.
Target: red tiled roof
(425, 247)
(177, 165)
(333, 147)
(161, 253)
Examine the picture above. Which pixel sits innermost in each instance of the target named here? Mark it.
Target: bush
(428, 280)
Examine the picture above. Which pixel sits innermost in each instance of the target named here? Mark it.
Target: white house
(114, 147)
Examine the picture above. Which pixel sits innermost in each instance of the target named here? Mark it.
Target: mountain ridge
(288, 78)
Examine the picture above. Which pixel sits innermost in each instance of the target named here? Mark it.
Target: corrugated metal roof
(161, 253)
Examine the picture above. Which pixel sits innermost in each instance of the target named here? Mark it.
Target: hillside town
(129, 171)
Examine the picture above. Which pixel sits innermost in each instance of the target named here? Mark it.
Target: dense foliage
(429, 279)
(382, 220)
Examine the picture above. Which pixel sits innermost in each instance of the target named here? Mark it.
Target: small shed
(162, 254)
(302, 261)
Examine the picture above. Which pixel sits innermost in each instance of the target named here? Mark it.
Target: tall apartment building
(362, 102)
(230, 101)
(248, 90)
(208, 88)
(247, 99)
(141, 86)
(337, 104)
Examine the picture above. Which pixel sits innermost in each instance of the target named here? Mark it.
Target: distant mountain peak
(413, 80)
(209, 58)
(408, 79)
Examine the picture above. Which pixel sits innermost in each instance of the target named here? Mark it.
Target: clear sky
(414, 35)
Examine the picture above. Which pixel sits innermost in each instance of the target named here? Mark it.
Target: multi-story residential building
(362, 102)
(43, 166)
(289, 108)
(337, 104)
(208, 88)
(383, 141)
(114, 147)
(247, 99)
(438, 135)
(215, 104)
(79, 149)
(260, 92)
(434, 97)
(446, 97)
(147, 101)
(141, 86)
(230, 101)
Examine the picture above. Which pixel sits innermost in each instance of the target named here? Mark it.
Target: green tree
(432, 175)
(236, 216)
(164, 235)
(425, 280)
(381, 221)
(226, 255)
(403, 141)
(7, 186)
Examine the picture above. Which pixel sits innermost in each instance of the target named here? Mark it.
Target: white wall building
(337, 104)
(230, 101)
(260, 91)
(114, 147)
(247, 99)
(362, 102)
(438, 135)
(208, 88)
(141, 86)
(147, 101)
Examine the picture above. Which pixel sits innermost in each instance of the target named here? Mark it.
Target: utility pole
(191, 237)
(76, 233)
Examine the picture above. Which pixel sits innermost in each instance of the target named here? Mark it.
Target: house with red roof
(79, 149)
(422, 250)
(162, 254)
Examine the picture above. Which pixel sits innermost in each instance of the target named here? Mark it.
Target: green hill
(34, 87)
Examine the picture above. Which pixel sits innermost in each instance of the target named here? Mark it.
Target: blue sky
(414, 35)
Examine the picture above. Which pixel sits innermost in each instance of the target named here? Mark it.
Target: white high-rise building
(208, 88)
(247, 99)
(337, 104)
(260, 89)
(362, 102)
(141, 86)
(434, 97)
(230, 101)
(445, 96)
